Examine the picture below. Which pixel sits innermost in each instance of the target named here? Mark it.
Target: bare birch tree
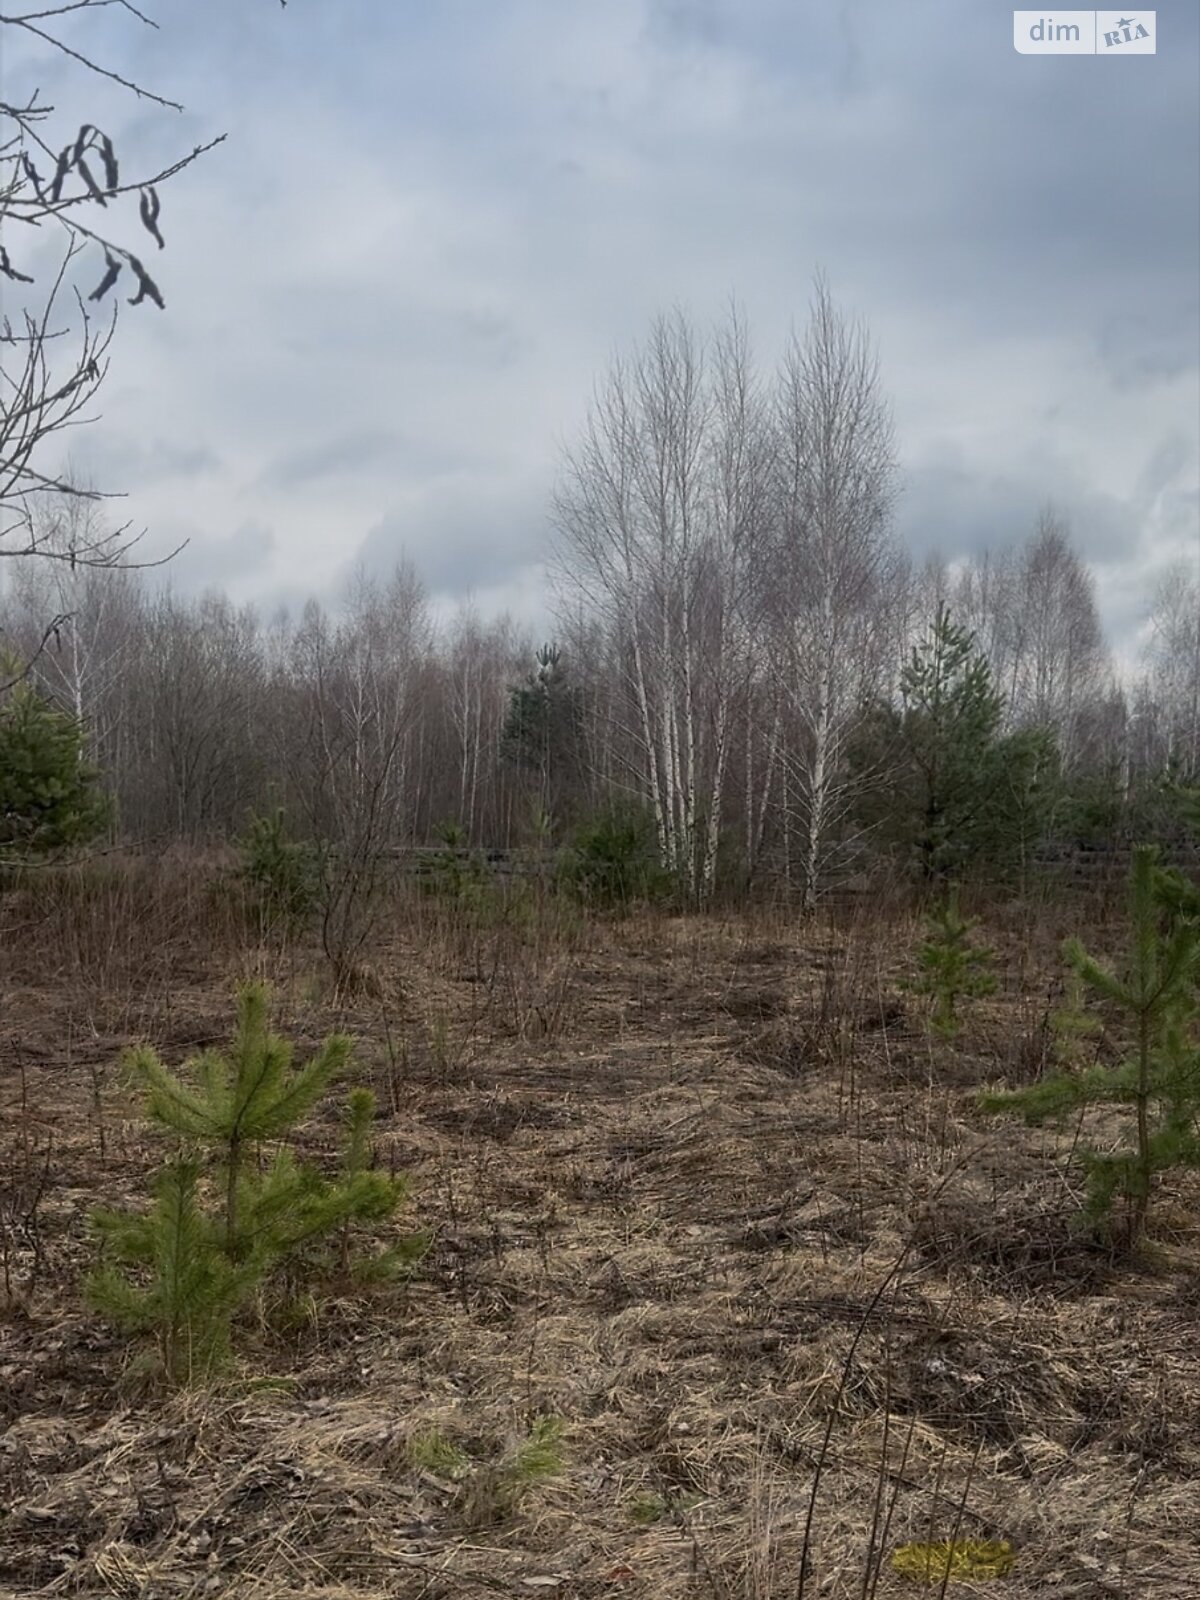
(629, 517)
(1033, 613)
(480, 660)
(835, 483)
(985, 599)
(1062, 664)
(1173, 659)
(736, 560)
(70, 618)
(661, 515)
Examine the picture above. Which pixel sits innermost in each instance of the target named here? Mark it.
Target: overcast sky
(390, 290)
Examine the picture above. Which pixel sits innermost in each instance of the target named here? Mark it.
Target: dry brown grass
(725, 1210)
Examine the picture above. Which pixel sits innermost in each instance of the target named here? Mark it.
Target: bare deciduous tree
(1173, 659)
(835, 482)
(1063, 661)
(70, 619)
(1033, 613)
(661, 515)
(736, 565)
(63, 175)
(192, 690)
(356, 681)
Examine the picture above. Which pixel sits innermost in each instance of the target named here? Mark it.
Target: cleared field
(705, 1190)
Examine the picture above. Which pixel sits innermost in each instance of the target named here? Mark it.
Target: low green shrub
(614, 861)
(283, 874)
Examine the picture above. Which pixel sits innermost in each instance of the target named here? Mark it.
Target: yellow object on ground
(962, 1558)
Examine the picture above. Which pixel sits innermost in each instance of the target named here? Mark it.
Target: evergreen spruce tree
(50, 796)
(950, 721)
(952, 968)
(541, 729)
(961, 796)
(226, 1217)
(1159, 1080)
(1179, 894)
(1025, 799)
(283, 873)
(614, 859)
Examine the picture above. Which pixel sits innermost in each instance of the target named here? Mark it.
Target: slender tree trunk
(231, 1198)
(748, 800)
(1141, 1199)
(712, 842)
(691, 864)
(649, 738)
(670, 740)
(786, 813)
(768, 783)
(817, 802)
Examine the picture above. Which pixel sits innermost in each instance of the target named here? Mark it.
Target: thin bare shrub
(25, 1158)
(115, 925)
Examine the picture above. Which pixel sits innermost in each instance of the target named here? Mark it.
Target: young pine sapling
(226, 1215)
(952, 968)
(1158, 1081)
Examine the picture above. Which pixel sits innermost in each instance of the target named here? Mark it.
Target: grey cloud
(379, 456)
(466, 539)
(273, 597)
(1172, 456)
(490, 336)
(346, 453)
(1126, 607)
(207, 562)
(963, 177)
(509, 202)
(116, 462)
(1179, 515)
(371, 322)
(1147, 346)
(851, 69)
(955, 508)
(689, 21)
(182, 461)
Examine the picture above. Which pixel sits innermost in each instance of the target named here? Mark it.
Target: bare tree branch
(55, 358)
(51, 631)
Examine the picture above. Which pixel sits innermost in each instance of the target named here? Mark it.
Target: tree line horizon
(746, 661)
